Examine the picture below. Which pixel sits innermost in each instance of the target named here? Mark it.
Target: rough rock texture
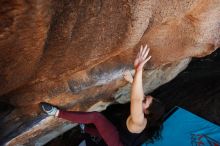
(73, 53)
(195, 89)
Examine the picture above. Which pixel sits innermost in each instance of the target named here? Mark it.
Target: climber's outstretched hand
(142, 58)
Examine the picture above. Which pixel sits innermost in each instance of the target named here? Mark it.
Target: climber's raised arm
(136, 122)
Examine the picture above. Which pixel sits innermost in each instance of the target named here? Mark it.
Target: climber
(142, 123)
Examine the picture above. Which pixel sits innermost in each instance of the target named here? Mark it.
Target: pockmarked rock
(73, 53)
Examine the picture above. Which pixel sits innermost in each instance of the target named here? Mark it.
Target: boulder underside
(73, 53)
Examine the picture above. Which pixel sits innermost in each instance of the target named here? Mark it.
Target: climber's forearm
(137, 86)
(137, 95)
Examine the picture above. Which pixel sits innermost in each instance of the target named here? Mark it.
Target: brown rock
(73, 53)
(23, 32)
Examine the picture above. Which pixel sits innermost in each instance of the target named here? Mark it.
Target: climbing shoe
(48, 109)
(82, 127)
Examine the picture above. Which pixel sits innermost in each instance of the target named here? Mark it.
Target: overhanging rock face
(73, 54)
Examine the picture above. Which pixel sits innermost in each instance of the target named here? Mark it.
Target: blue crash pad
(182, 128)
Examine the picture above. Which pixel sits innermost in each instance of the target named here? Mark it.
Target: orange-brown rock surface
(73, 53)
